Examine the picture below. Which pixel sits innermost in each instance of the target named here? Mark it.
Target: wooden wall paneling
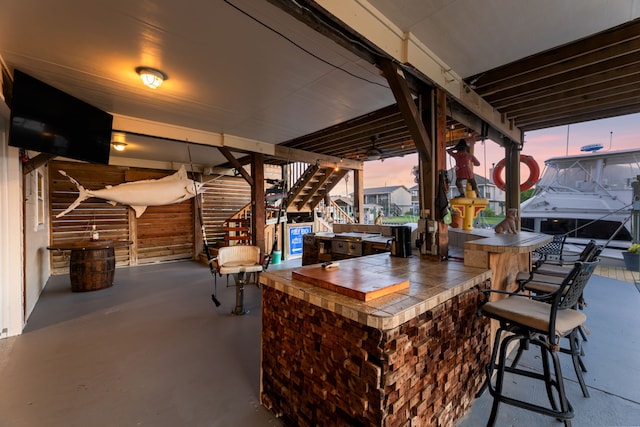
(111, 221)
(165, 233)
(222, 198)
(162, 233)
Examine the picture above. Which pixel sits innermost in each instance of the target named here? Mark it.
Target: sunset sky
(541, 144)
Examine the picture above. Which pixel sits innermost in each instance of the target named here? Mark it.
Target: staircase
(237, 228)
(305, 195)
(310, 189)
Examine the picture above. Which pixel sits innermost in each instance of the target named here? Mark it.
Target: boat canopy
(604, 172)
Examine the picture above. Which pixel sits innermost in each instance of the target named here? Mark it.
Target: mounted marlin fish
(171, 189)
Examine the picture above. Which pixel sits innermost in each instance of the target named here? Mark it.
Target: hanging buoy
(534, 173)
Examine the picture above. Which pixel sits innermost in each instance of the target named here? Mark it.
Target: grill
(349, 243)
(351, 246)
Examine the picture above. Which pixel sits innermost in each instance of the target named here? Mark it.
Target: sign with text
(295, 239)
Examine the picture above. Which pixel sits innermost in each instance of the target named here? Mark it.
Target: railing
(238, 227)
(334, 213)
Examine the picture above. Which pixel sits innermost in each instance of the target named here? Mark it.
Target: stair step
(239, 221)
(236, 228)
(237, 238)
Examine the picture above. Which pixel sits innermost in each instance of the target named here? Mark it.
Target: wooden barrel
(92, 268)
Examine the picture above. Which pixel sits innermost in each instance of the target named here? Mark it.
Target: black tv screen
(48, 120)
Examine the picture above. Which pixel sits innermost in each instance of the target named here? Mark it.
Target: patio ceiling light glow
(151, 77)
(117, 140)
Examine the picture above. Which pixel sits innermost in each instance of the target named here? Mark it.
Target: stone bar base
(320, 368)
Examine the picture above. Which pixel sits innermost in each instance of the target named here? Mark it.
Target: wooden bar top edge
(431, 283)
(520, 242)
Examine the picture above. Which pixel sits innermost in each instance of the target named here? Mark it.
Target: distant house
(393, 201)
(415, 200)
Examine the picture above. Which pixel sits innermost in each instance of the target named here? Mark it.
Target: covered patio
(151, 352)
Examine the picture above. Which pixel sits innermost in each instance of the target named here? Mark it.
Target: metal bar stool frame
(533, 321)
(540, 284)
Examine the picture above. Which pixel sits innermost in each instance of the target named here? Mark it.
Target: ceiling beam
(571, 99)
(33, 164)
(584, 51)
(607, 81)
(295, 155)
(471, 121)
(589, 79)
(523, 87)
(365, 31)
(577, 118)
(236, 164)
(377, 31)
(408, 108)
(587, 108)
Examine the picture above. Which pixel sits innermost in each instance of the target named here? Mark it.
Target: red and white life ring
(534, 173)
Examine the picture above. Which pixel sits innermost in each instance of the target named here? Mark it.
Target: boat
(585, 196)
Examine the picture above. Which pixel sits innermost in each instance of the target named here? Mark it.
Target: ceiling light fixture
(151, 77)
(119, 146)
(117, 140)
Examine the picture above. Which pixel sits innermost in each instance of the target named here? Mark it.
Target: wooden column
(440, 162)
(258, 213)
(358, 196)
(428, 171)
(433, 113)
(198, 238)
(512, 178)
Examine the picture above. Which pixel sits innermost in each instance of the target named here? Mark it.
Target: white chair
(238, 260)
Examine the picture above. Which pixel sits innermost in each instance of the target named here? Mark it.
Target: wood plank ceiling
(592, 78)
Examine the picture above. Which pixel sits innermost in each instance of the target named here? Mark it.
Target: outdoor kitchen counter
(504, 254)
(430, 284)
(326, 246)
(418, 353)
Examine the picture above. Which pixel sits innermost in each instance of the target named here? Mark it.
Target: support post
(258, 213)
(512, 174)
(240, 282)
(358, 196)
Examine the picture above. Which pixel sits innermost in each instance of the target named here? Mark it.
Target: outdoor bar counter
(334, 360)
(504, 254)
(414, 354)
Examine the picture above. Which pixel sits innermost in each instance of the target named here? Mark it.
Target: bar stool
(238, 260)
(541, 321)
(546, 277)
(559, 268)
(553, 250)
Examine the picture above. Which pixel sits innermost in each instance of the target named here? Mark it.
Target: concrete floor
(153, 350)
(612, 357)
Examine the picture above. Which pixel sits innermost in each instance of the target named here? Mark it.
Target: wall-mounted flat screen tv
(48, 120)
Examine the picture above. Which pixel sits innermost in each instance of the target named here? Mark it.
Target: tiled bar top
(431, 284)
(522, 242)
